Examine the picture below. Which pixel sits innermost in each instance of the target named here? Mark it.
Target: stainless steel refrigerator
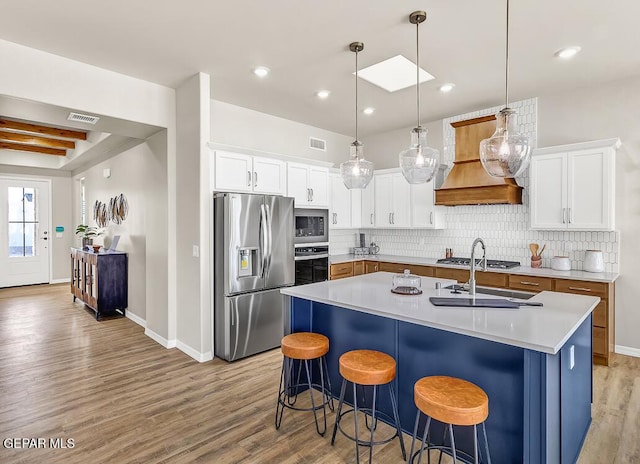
(253, 258)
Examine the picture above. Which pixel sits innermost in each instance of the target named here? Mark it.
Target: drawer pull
(580, 289)
(535, 284)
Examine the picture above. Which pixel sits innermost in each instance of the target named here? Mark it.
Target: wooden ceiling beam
(32, 148)
(36, 140)
(25, 127)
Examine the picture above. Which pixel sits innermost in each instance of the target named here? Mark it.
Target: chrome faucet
(483, 261)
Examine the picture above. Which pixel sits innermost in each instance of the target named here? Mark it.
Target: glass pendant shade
(506, 152)
(357, 172)
(419, 163)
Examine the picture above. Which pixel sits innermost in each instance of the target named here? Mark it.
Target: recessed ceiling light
(261, 71)
(368, 110)
(568, 52)
(394, 74)
(448, 87)
(322, 94)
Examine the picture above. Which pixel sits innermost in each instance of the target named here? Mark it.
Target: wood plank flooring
(122, 398)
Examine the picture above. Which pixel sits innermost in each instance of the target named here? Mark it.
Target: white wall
(61, 198)
(242, 127)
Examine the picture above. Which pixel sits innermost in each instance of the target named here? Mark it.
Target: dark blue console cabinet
(539, 403)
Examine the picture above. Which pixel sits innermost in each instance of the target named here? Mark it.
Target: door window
(23, 224)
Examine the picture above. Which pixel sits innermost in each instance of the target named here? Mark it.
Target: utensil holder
(536, 261)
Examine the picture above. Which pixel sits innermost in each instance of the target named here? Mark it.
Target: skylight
(394, 74)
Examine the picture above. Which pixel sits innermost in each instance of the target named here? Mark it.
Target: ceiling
(305, 44)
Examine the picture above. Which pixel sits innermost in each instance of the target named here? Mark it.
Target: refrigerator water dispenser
(246, 262)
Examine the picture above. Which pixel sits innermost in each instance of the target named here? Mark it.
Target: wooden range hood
(468, 183)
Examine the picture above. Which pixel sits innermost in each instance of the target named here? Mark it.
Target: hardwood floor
(122, 398)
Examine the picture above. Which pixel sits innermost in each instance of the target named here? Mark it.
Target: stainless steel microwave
(312, 225)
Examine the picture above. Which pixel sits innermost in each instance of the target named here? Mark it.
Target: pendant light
(357, 172)
(419, 163)
(507, 152)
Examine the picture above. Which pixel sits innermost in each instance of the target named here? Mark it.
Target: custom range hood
(468, 183)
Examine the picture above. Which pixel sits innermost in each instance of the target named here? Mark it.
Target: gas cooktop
(491, 263)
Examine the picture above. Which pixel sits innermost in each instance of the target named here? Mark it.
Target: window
(23, 223)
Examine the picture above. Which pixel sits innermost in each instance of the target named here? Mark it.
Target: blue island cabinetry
(539, 403)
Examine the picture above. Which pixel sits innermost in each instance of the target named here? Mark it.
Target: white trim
(195, 354)
(268, 154)
(605, 143)
(159, 339)
(137, 319)
(627, 350)
(66, 280)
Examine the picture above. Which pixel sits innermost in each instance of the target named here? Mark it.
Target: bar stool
(451, 401)
(368, 368)
(303, 348)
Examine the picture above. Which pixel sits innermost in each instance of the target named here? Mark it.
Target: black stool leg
(373, 423)
(281, 390)
(355, 418)
(397, 419)
(329, 390)
(313, 404)
(453, 444)
(413, 438)
(486, 443)
(343, 388)
(475, 445)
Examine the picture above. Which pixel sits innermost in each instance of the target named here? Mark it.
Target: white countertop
(544, 329)
(607, 277)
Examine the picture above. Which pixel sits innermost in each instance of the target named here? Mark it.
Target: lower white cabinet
(572, 187)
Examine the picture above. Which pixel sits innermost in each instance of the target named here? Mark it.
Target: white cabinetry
(237, 172)
(573, 186)
(344, 205)
(367, 217)
(392, 201)
(424, 213)
(308, 185)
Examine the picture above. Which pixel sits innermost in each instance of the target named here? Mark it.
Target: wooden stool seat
(304, 345)
(451, 400)
(367, 367)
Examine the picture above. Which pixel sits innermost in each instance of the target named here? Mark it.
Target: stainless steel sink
(494, 291)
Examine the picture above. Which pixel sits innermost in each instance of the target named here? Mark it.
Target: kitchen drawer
(600, 314)
(338, 271)
(392, 267)
(530, 283)
(371, 266)
(600, 341)
(582, 287)
(424, 271)
(358, 268)
(461, 275)
(492, 279)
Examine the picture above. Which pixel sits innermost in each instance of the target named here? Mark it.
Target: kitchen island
(534, 363)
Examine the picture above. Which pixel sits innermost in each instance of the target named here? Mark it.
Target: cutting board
(479, 302)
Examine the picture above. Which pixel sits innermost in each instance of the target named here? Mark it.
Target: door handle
(263, 239)
(44, 238)
(248, 178)
(255, 179)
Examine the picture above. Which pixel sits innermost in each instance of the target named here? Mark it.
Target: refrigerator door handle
(269, 238)
(263, 239)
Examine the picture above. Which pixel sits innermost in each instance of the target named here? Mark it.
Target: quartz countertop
(607, 277)
(543, 329)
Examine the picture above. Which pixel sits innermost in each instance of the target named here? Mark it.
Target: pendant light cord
(418, 70)
(356, 97)
(506, 79)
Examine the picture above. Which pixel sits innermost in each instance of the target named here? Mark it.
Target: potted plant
(88, 233)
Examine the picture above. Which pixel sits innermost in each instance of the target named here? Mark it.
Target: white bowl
(560, 263)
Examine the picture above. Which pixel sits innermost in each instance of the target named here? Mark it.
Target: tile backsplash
(504, 228)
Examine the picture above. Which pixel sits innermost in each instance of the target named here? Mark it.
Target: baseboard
(626, 350)
(195, 354)
(137, 319)
(159, 339)
(60, 281)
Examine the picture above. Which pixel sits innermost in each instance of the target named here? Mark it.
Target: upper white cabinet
(367, 216)
(573, 186)
(344, 205)
(237, 172)
(424, 213)
(392, 201)
(308, 185)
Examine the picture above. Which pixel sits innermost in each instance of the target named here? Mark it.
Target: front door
(24, 232)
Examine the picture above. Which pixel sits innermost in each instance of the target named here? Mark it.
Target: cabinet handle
(255, 179)
(580, 289)
(390, 219)
(535, 284)
(311, 194)
(308, 195)
(335, 218)
(393, 218)
(371, 218)
(564, 214)
(570, 216)
(431, 217)
(248, 178)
